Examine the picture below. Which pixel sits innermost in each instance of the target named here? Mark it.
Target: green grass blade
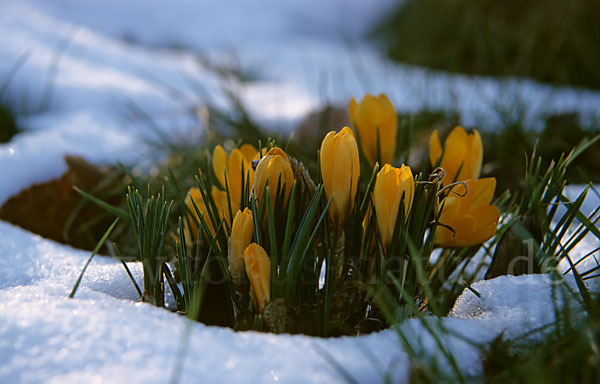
(94, 252)
(104, 205)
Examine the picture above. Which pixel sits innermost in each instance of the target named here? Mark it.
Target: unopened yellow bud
(242, 231)
(375, 118)
(275, 167)
(258, 269)
(391, 184)
(238, 168)
(340, 168)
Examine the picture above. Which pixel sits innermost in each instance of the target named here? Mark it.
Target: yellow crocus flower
(472, 219)
(391, 184)
(239, 160)
(462, 152)
(340, 168)
(273, 166)
(375, 117)
(258, 269)
(242, 231)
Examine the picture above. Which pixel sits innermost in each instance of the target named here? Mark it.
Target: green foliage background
(549, 40)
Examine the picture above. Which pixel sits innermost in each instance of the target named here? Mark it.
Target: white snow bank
(105, 335)
(224, 23)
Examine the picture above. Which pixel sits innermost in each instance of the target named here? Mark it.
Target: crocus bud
(375, 118)
(242, 231)
(391, 184)
(471, 217)
(461, 156)
(258, 269)
(276, 168)
(340, 168)
(237, 166)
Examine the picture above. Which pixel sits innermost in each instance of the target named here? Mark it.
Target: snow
(105, 334)
(86, 63)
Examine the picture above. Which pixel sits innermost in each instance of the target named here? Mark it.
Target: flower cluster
(273, 226)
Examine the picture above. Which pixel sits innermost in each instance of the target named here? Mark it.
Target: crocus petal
(483, 191)
(239, 167)
(487, 219)
(352, 111)
(435, 148)
(475, 157)
(460, 234)
(408, 184)
(461, 156)
(191, 232)
(220, 161)
(327, 147)
(375, 121)
(455, 150)
(220, 199)
(242, 231)
(394, 193)
(471, 216)
(250, 153)
(340, 169)
(258, 269)
(275, 167)
(388, 125)
(390, 185)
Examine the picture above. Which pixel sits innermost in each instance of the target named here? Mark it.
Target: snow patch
(105, 333)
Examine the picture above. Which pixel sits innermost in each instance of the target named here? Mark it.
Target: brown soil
(56, 211)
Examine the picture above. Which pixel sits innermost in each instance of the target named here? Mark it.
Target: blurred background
(552, 41)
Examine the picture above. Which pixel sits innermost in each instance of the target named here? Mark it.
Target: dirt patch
(56, 211)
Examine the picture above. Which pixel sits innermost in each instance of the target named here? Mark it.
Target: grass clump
(550, 41)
